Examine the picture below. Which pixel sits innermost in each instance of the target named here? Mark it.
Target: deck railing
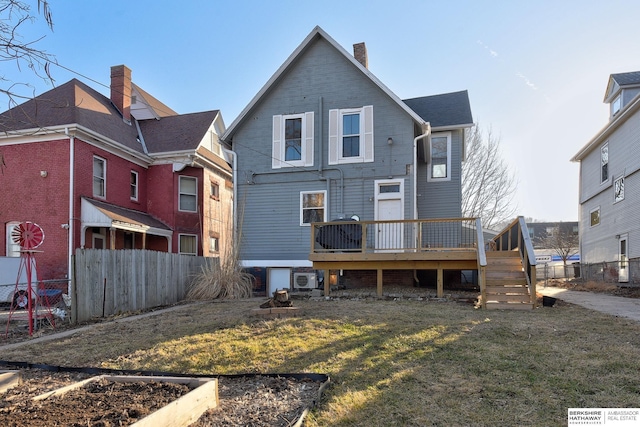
(394, 236)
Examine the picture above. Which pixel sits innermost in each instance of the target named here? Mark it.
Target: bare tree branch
(488, 185)
(14, 14)
(562, 241)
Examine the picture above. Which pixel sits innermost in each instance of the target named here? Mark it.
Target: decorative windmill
(29, 236)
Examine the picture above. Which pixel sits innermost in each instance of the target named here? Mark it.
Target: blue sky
(536, 71)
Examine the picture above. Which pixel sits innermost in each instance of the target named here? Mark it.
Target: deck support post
(440, 282)
(379, 282)
(327, 283)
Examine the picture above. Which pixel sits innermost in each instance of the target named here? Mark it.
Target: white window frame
(279, 145)
(214, 244)
(616, 105)
(430, 177)
(134, 187)
(604, 163)
(12, 249)
(181, 193)
(103, 178)
(302, 207)
(336, 135)
(591, 212)
(618, 189)
(180, 251)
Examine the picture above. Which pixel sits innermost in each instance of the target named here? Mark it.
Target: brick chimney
(360, 53)
(121, 90)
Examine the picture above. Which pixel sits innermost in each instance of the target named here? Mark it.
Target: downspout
(70, 229)
(235, 190)
(426, 128)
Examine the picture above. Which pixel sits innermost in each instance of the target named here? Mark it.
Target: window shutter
(334, 146)
(368, 133)
(277, 142)
(308, 139)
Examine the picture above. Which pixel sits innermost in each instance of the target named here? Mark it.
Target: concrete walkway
(616, 306)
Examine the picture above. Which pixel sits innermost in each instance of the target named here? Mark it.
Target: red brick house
(125, 172)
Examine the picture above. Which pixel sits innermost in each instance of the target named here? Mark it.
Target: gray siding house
(609, 180)
(324, 140)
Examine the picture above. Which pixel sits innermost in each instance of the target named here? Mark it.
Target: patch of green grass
(390, 362)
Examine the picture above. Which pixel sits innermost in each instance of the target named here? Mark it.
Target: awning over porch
(94, 213)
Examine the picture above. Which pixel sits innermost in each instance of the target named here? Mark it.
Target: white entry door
(623, 271)
(389, 207)
(278, 279)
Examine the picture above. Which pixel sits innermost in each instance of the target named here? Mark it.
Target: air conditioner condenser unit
(304, 280)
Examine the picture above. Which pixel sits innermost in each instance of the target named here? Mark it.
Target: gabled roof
(619, 81)
(160, 109)
(316, 33)
(633, 107)
(176, 133)
(447, 110)
(71, 103)
(75, 103)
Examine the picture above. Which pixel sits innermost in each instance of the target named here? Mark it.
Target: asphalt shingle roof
(625, 79)
(176, 133)
(447, 109)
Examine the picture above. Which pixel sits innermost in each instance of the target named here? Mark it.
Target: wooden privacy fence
(108, 282)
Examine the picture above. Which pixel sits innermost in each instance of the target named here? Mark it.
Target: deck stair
(506, 284)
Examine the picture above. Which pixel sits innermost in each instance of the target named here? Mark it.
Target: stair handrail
(515, 236)
(482, 262)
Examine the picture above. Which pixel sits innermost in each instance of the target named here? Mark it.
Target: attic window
(134, 99)
(616, 105)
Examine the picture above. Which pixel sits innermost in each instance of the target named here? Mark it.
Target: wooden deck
(443, 244)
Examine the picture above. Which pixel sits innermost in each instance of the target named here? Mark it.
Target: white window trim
(279, 145)
(180, 242)
(104, 178)
(429, 165)
(137, 186)
(366, 135)
(324, 214)
(599, 216)
(214, 241)
(616, 105)
(602, 149)
(189, 194)
(12, 249)
(618, 197)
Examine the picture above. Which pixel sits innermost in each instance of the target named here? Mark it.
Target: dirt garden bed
(251, 400)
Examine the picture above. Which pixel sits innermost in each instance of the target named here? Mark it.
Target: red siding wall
(25, 195)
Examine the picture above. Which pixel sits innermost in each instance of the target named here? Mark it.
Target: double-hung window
(188, 244)
(351, 135)
(134, 185)
(99, 177)
(292, 140)
(604, 163)
(188, 194)
(313, 207)
(440, 157)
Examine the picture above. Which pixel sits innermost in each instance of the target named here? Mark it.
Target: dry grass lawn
(391, 362)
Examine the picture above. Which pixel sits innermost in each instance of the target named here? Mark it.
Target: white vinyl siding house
(609, 193)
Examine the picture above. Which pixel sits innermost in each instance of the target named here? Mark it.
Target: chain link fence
(623, 273)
